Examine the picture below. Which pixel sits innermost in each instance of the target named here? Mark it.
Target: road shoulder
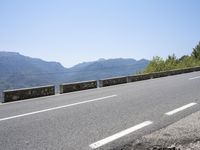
(182, 135)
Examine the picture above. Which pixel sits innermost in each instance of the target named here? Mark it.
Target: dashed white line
(55, 108)
(119, 135)
(180, 109)
(194, 78)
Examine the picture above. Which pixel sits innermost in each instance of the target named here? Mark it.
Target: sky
(75, 31)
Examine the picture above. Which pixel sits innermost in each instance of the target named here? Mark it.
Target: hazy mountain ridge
(109, 68)
(18, 71)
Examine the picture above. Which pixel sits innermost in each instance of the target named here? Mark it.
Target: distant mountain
(18, 71)
(108, 68)
(21, 71)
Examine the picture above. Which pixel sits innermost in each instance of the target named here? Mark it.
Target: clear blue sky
(72, 31)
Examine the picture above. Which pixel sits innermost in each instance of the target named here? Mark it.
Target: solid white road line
(119, 135)
(55, 108)
(180, 109)
(194, 78)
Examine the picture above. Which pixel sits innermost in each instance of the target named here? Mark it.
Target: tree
(157, 64)
(184, 57)
(196, 52)
(171, 62)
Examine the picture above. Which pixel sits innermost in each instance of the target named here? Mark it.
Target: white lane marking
(119, 135)
(194, 78)
(55, 108)
(180, 109)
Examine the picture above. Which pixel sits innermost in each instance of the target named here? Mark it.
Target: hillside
(18, 71)
(108, 68)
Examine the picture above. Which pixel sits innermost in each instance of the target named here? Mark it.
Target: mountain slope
(18, 71)
(108, 68)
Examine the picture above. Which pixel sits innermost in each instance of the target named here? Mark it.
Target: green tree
(196, 52)
(171, 62)
(157, 64)
(183, 58)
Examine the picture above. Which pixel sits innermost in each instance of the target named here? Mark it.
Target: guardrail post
(61, 89)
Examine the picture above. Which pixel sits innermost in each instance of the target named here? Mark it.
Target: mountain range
(18, 71)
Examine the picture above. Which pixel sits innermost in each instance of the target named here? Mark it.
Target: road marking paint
(119, 135)
(55, 108)
(194, 78)
(180, 109)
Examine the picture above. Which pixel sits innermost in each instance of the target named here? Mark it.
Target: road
(103, 118)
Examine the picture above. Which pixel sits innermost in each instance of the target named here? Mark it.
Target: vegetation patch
(158, 64)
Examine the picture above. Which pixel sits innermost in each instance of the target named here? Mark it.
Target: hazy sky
(72, 31)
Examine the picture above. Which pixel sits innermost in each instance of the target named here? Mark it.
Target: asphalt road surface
(103, 118)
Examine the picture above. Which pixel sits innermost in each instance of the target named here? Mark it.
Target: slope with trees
(158, 64)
